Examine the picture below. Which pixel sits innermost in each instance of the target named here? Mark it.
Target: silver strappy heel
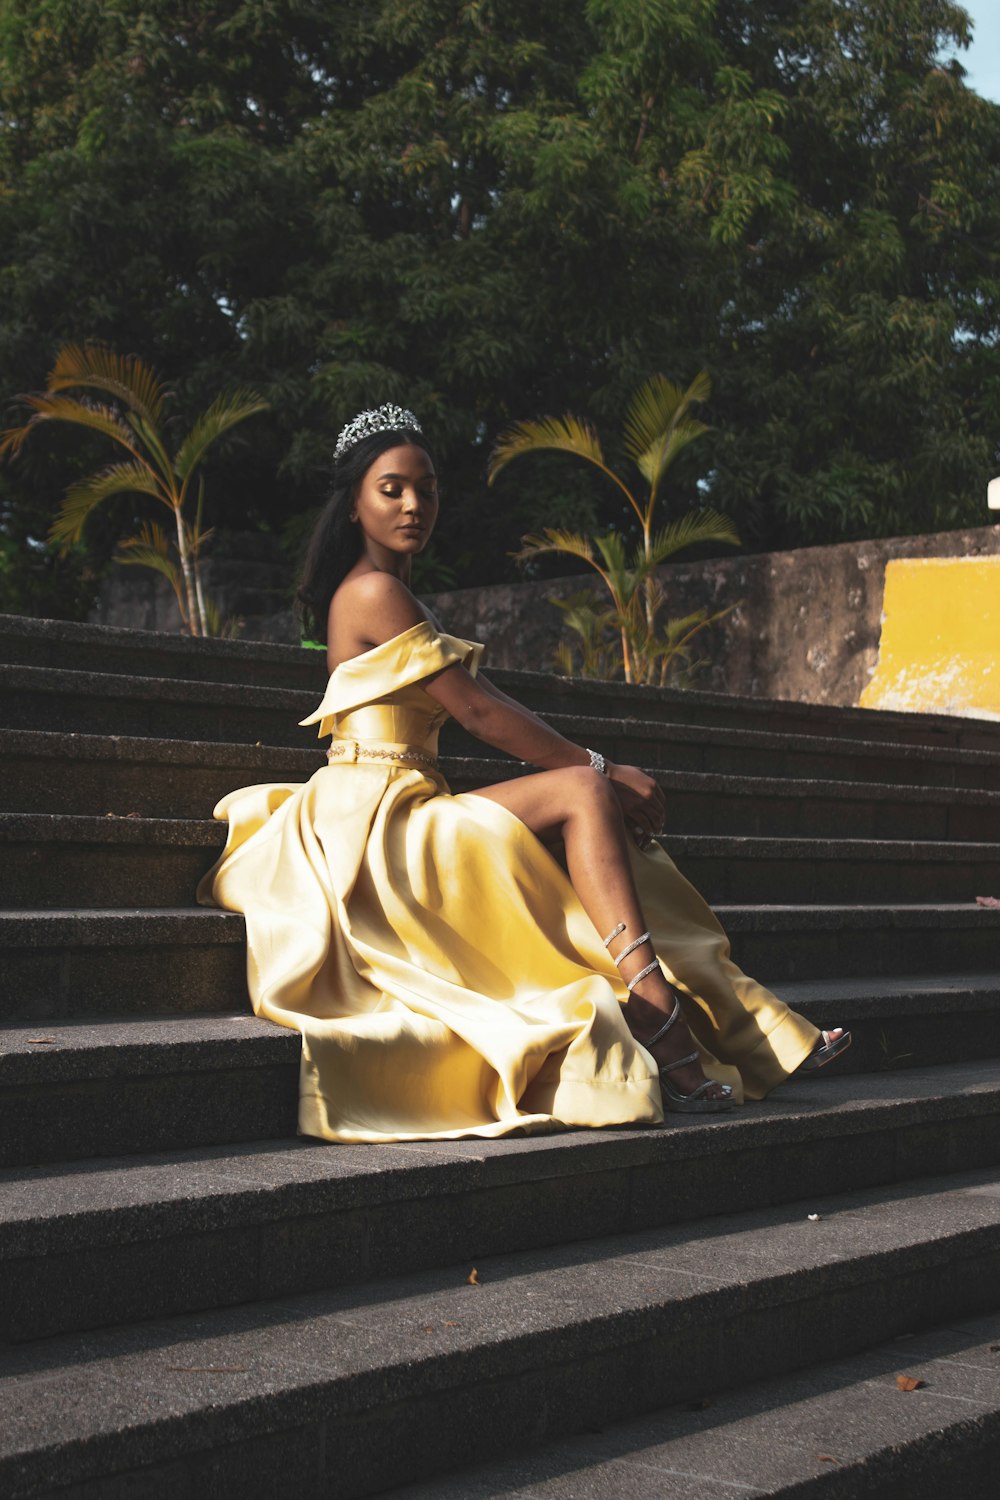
(696, 1102)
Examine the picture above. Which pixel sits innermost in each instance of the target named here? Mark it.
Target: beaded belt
(352, 750)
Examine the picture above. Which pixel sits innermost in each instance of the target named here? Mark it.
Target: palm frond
(583, 612)
(674, 646)
(224, 413)
(657, 406)
(571, 543)
(82, 497)
(150, 435)
(660, 454)
(124, 376)
(563, 659)
(65, 409)
(567, 434)
(686, 531)
(612, 548)
(682, 631)
(151, 548)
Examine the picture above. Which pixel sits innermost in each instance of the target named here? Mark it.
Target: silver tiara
(387, 418)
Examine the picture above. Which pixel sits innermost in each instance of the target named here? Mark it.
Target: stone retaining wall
(806, 626)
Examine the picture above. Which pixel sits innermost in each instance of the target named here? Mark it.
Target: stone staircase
(194, 1302)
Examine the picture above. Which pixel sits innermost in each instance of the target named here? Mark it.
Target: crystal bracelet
(597, 762)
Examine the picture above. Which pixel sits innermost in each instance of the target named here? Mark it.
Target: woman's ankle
(649, 1010)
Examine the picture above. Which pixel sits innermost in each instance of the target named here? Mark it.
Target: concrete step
(779, 943)
(99, 774)
(60, 645)
(661, 745)
(353, 1390)
(744, 869)
(104, 862)
(134, 861)
(106, 1088)
(73, 1089)
(63, 645)
(842, 1428)
(45, 699)
(166, 707)
(74, 965)
(115, 1240)
(47, 772)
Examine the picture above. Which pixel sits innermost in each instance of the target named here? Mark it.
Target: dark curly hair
(335, 544)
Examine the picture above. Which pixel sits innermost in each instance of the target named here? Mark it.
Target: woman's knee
(586, 789)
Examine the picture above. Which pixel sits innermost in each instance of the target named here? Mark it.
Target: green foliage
(596, 652)
(135, 423)
(494, 209)
(658, 427)
(598, 642)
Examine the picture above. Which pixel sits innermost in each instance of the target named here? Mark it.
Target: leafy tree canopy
(498, 210)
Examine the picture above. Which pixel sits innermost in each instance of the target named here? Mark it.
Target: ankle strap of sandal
(659, 1035)
(638, 978)
(681, 1062)
(631, 949)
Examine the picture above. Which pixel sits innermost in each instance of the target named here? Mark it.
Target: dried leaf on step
(910, 1383)
(827, 1458)
(428, 1329)
(473, 1278)
(447, 1324)
(42, 1041)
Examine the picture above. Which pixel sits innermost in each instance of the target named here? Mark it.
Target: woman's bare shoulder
(367, 610)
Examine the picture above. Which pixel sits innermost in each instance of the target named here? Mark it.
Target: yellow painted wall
(940, 646)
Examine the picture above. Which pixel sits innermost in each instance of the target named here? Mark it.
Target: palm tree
(134, 419)
(658, 427)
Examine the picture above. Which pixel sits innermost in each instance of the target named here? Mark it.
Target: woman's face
(397, 501)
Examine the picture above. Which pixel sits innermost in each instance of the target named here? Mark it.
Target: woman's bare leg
(579, 806)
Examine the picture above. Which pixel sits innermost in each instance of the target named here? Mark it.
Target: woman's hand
(643, 803)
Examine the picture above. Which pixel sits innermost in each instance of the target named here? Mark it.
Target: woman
(447, 977)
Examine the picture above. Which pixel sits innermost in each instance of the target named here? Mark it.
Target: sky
(982, 60)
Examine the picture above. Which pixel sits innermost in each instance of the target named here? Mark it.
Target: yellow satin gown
(432, 952)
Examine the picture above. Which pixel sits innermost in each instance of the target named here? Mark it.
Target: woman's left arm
(502, 697)
(501, 721)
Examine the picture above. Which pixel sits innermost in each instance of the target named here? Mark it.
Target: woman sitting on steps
(448, 975)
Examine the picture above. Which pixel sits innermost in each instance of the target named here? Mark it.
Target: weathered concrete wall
(806, 627)
(244, 574)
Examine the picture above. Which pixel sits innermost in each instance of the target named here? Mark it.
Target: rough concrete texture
(806, 626)
(90, 1244)
(843, 1429)
(550, 1342)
